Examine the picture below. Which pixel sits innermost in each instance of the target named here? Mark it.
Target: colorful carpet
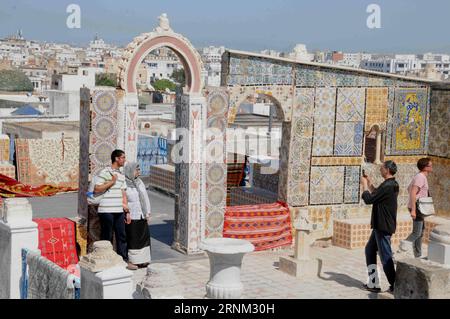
(266, 226)
(235, 174)
(11, 188)
(57, 241)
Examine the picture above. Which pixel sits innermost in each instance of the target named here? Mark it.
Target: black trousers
(115, 222)
(380, 242)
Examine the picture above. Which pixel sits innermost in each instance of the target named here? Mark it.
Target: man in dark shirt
(383, 222)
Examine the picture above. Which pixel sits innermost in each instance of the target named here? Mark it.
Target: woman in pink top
(418, 189)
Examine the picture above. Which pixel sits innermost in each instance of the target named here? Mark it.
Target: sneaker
(132, 267)
(374, 290)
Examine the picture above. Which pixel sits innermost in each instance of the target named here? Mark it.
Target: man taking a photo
(383, 222)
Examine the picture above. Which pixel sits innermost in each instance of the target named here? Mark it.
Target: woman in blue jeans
(418, 189)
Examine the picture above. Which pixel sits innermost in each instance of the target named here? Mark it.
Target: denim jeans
(380, 242)
(115, 222)
(416, 237)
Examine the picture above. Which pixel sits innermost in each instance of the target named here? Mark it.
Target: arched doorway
(190, 115)
(253, 151)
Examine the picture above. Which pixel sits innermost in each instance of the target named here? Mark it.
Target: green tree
(179, 77)
(162, 85)
(106, 79)
(15, 81)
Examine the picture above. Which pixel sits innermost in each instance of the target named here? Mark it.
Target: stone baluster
(301, 264)
(104, 274)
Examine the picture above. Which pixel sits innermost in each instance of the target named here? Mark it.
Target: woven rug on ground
(266, 226)
(57, 241)
(11, 188)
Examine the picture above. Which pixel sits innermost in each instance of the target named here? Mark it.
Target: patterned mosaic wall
(85, 123)
(345, 104)
(439, 137)
(376, 108)
(104, 129)
(54, 162)
(300, 148)
(216, 169)
(349, 122)
(324, 121)
(245, 70)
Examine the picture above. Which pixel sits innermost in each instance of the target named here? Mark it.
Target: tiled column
(296, 151)
(216, 167)
(85, 123)
(189, 177)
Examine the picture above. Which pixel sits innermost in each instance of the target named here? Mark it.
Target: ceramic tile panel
(216, 170)
(300, 148)
(439, 133)
(354, 234)
(351, 105)
(349, 138)
(324, 121)
(336, 161)
(409, 121)
(352, 184)
(327, 185)
(105, 129)
(377, 107)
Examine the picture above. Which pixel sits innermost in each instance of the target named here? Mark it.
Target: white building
(412, 65)
(85, 77)
(161, 64)
(212, 61)
(354, 59)
(39, 78)
(273, 53)
(300, 53)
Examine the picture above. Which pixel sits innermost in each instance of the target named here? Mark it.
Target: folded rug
(266, 226)
(11, 188)
(47, 280)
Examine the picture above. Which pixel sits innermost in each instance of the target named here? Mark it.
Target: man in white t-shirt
(113, 209)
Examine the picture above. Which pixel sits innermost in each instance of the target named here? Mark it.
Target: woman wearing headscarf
(138, 234)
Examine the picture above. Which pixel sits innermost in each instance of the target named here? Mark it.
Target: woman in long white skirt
(138, 233)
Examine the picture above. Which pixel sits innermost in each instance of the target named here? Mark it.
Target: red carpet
(57, 240)
(11, 188)
(266, 226)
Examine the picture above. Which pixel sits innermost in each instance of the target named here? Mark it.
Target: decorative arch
(162, 36)
(240, 95)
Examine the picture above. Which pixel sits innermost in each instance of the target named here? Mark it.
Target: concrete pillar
(378, 149)
(104, 274)
(17, 231)
(301, 264)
